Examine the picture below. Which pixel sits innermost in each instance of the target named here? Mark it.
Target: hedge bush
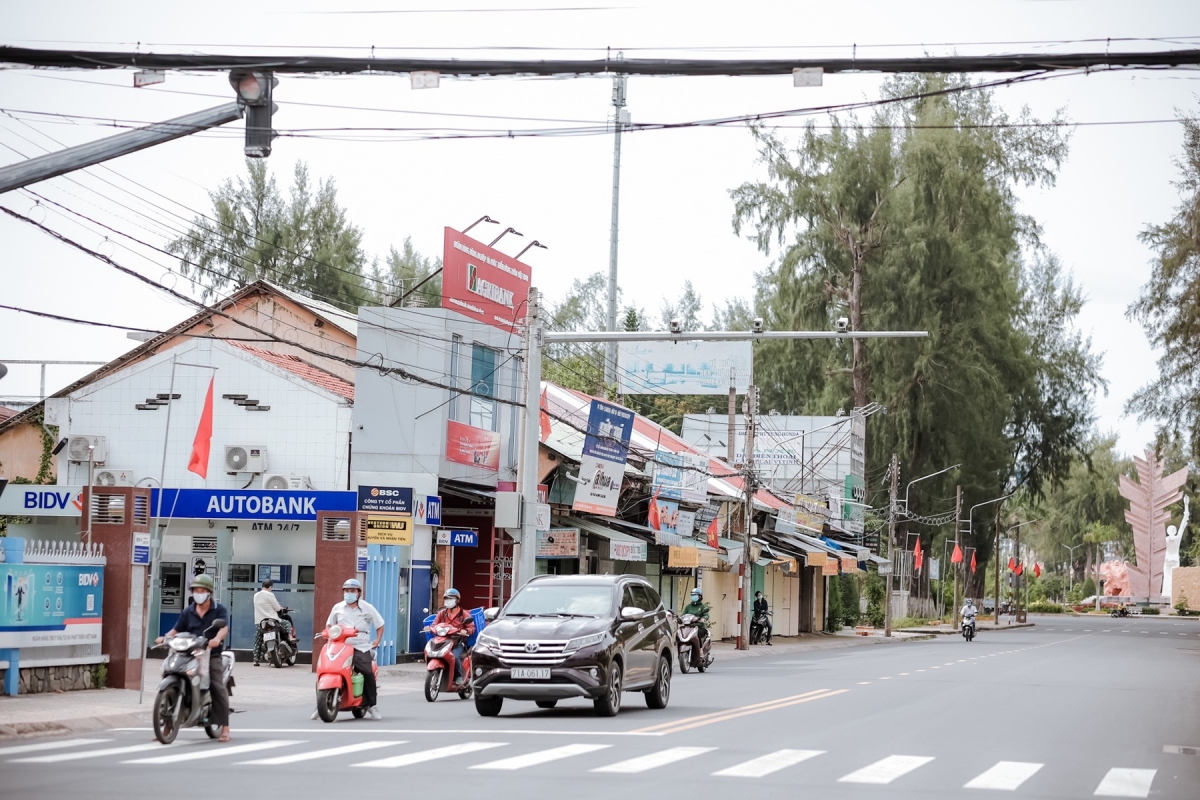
(1042, 607)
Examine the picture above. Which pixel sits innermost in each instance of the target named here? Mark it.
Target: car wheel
(658, 696)
(547, 703)
(488, 706)
(609, 703)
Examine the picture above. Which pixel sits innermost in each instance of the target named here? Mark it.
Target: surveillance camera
(843, 324)
(676, 326)
(757, 325)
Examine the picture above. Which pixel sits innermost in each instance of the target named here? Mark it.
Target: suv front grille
(515, 652)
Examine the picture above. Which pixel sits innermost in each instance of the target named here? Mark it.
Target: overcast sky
(675, 206)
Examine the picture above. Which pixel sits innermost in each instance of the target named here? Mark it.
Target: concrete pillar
(14, 553)
(339, 535)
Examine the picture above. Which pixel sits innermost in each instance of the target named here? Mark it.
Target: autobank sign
(248, 504)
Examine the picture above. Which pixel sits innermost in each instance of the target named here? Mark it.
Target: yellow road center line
(761, 706)
(735, 713)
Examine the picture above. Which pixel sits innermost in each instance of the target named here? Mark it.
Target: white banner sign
(29, 500)
(684, 367)
(627, 551)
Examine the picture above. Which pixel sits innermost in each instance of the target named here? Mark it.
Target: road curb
(60, 727)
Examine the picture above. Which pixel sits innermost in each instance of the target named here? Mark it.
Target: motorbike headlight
(335, 632)
(488, 641)
(583, 641)
(180, 644)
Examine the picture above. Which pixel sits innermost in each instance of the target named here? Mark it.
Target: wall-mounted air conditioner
(245, 458)
(77, 448)
(111, 476)
(282, 483)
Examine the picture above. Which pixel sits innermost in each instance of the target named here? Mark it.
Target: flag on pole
(544, 416)
(972, 561)
(957, 556)
(1037, 570)
(713, 534)
(198, 463)
(1020, 568)
(652, 516)
(918, 558)
(1012, 563)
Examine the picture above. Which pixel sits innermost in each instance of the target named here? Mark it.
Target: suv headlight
(584, 641)
(490, 642)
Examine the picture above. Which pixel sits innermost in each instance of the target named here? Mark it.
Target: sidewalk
(30, 715)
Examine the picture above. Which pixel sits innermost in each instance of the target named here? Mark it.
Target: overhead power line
(311, 65)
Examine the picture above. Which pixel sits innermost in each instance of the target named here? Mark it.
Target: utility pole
(996, 583)
(620, 118)
(745, 573)
(525, 550)
(887, 600)
(957, 530)
(730, 444)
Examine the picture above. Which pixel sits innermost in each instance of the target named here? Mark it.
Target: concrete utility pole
(957, 531)
(620, 118)
(887, 600)
(85, 155)
(731, 439)
(525, 550)
(745, 573)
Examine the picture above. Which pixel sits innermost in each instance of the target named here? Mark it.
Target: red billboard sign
(484, 284)
(472, 446)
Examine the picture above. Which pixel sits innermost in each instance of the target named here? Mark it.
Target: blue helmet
(451, 593)
(353, 583)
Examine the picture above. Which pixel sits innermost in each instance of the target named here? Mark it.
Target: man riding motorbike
(196, 619)
(700, 609)
(456, 616)
(760, 608)
(267, 607)
(968, 611)
(354, 612)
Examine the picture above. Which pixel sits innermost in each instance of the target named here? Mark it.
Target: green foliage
(1053, 587)
(836, 611)
(99, 676)
(1151, 611)
(1076, 594)
(304, 242)
(1042, 607)
(403, 270)
(1088, 587)
(1181, 606)
(686, 310)
(876, 591)
(850, 601)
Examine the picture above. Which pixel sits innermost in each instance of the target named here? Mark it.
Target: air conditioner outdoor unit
(282, 483)
(245, 458)
(111, 476)
(77, 448)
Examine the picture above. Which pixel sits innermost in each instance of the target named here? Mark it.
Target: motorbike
(758, 626)
(1119, 611)
(339, 687)
(183, 699)
(441, 664)
(691, 652)
(281, 651)
(968, 627)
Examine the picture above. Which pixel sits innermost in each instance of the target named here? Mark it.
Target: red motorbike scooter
(339, 688)
(440, 670)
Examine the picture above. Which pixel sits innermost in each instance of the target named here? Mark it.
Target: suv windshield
(561, 599)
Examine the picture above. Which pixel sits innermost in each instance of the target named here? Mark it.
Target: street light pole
(1071, 566)
(887, 601)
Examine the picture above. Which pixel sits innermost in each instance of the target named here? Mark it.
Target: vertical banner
(603, 464)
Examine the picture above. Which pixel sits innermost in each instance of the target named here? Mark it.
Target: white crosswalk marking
(431, 755)
(542, 756)
(61, 743)
(107, 751)
(886, 770)
(771, 762)
(1122, 782)
(652, 760)
(1005, 776)
(215, 751)
(348, 749)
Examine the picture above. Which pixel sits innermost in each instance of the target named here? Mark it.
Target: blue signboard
(433, 511)
(141, 548)
(458, 538)
(391, 499)
(247, 504)
(50, 604)
(608, 432)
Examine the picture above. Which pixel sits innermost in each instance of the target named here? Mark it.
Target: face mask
(451, 603)
(350, 597)
(695, 598)
(200, 597)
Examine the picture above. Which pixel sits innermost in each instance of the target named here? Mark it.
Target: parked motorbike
(281, 651)
(758, 626)
(691, 652)
(183, 699)
(339, 687)
(441, 664)
(968, 627)
(1119, 611)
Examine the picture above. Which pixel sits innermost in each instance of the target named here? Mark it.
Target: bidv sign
(89, 579)
(454, 538)
(42, 501)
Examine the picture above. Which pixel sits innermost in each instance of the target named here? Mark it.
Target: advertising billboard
(484, 284)
(681, 476)
(50, 604)
(684, 367)
(390, 499)
(474, 447)
(602, 467)
(558, 543)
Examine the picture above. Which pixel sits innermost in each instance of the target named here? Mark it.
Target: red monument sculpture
(1149, 500)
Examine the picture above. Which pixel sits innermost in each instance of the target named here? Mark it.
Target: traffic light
(254, 90)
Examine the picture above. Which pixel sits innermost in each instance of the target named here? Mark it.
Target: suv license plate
(530, 673)
(269, 636)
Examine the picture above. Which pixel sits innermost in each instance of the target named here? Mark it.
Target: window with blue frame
(484, 366)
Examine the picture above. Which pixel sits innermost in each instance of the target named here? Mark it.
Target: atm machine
(171, 594)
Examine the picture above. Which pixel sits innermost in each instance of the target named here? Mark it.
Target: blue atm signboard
(47, 605)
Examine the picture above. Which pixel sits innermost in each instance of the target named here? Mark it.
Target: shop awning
(600, 529)
(877, 559)
(468, 493)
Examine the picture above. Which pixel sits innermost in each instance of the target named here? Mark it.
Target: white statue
(1171, 560)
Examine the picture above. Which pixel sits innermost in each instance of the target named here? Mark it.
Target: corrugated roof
(345, 320)
(6, 412)
(315, 375)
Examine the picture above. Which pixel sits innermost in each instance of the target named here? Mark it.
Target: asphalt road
(1072, 708)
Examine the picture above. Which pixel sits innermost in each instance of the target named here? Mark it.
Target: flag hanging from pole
(972, 562)
(201, 446)
(1012, 564)
(1020, 568)
(918, 558)
(652, 515)
(1037, 570)
(713, 534)
(544, 416)
(957, 556)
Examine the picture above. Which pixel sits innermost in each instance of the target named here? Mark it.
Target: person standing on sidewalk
(266, 606)
(196, 619)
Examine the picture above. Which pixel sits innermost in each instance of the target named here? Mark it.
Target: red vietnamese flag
(972, 561)
(198, 463)
(918, 559)
(713, 532)
(544, 416)
(1012, 563)
(652, 517)
(1037, 570)
(1020, 568)
(957, 556)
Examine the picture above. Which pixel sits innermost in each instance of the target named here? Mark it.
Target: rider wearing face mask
(354, 612)
(456, 616)
(202, 612)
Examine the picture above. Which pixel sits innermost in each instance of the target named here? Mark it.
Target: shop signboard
(141, 548)
(27, 500)
(248, 504)
(627, 551)
(707, 559)
(849, 564)
(428, 511)
(363, 556)
(484, 284)
(389, 529)
(602, 467)
(388, 499)
(816, 559)
(457, 538)
(685, 522)
(558, 543)
(687, 367)
(48, 605)
(472, 446)
(683, 557)
(830, 567)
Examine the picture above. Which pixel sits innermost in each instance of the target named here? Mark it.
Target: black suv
(563, 636)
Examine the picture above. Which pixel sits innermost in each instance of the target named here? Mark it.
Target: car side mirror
(491, 614)
(632, 612)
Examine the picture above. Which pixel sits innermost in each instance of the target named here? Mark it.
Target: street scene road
(1073, 707)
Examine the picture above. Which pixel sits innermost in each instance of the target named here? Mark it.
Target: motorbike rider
(354, 612)
(196, 619)
(699, 608)
(456, 616)
(760, 608)
(267, 607)
(968, 611)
